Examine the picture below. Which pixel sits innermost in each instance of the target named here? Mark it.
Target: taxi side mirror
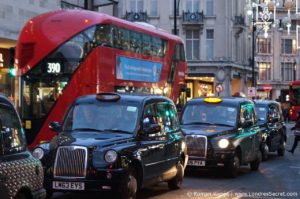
(54, 126)
(152, 129)
(247, 123)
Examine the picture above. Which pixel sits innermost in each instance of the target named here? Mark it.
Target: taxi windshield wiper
(195, 123)
(87, 129)
(118, 131)
(224, 124)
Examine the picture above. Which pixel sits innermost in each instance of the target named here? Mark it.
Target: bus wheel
(176, 182)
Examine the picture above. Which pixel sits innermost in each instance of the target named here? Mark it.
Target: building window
(192, 44)
(209, 7)
(264, 45)
(288, 71)
(193, 5)
(288, 46)
(209, 44)
(136, 5)
(264, 71)
(153, 8)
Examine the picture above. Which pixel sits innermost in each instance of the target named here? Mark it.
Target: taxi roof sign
(213, 100)
(108, 97)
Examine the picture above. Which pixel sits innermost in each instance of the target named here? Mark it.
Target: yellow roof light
(213, 100)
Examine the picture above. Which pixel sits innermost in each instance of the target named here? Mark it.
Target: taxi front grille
(71, 162)
(196, 145)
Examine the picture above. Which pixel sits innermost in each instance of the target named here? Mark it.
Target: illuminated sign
(213, 100)
(138, 70)
(53, 68)
(1, 60)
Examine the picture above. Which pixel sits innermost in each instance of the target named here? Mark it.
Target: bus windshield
(102, 117)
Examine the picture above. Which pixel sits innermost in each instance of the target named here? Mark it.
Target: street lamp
(260, 13)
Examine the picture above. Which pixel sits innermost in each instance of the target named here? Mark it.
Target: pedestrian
(296, 130)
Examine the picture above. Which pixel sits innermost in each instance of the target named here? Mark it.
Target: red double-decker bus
(294, 97)
(64, 54)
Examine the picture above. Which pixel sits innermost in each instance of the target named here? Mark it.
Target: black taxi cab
(21, 175)
(271, 122)
(115, 142)
(221, 132)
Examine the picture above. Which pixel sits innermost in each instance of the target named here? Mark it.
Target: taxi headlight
(110, 156)
(38, 153)
(223, 143)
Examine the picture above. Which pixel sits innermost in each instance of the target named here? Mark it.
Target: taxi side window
(13, 138)
(167, 117)
(273, 112)
(247, 113)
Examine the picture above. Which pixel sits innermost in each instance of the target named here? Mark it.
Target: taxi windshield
(113, 117)
(209, 115)
(261, 113)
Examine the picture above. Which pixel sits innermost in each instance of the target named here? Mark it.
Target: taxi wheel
(265, 151)
(254, 165)
(176, 182)
(233, 166)
(49, 194)
(281, 150)
(22, 195)
(129, 191)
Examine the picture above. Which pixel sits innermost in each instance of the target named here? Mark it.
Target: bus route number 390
(53, 67)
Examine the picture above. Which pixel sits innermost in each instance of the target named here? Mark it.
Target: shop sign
(267, 87)
(1, 60)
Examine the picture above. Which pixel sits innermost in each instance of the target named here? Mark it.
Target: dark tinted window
(12, 135)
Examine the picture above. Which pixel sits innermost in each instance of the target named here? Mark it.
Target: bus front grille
(196, 145)
(71, 162)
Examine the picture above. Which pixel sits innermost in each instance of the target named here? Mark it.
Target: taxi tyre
(233, 166)
(265, 151)
(49, 194)
(281, 150)
(129, 190)
(176, 182)
(22, 195)
(254, 165)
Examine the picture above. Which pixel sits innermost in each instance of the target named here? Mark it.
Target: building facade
(277, 54)
(13, 16)
(215, 35)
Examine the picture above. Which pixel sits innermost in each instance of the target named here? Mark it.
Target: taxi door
(152, 146)
(274, 124)
(248, 132)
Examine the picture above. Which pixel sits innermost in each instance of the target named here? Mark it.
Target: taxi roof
(233, 101)
(5, 100)
(265, 102)
(124, 97)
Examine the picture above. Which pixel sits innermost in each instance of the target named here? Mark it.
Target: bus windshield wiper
(118, 131)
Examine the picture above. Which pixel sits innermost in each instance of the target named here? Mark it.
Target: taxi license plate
(68, 185)
(199, 163)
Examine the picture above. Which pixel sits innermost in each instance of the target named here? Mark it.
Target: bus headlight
(38, 153)
(110, 156)
(223, 143)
